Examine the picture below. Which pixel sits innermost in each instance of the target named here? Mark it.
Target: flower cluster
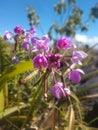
(22, 36)
(51, 59)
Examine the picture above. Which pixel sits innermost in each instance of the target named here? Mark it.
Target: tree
(32, 16)
(72, 18)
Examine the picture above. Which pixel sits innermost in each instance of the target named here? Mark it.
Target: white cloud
(81, 38)
(86, 40)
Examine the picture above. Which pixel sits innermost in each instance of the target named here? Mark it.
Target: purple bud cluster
(51, 59)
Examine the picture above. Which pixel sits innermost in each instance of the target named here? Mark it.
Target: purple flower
(75, 75)
(28, 37)
(8, 35)
(35, 40)
(15, 59)
(32, 30)
(40, 44)
(25, 45)
(63, 43)
(40, 61)
(18, 30)
(77, 56)
(58, 91)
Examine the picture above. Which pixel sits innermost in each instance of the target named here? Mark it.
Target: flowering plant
(50, 60)
(55, 66)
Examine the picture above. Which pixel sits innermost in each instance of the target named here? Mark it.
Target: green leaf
(71, 119)
(89, 75)
(74, 96)
(11, 110)
(1, 100)
(3, 97)
(88, 96)
(86, 89)
(77, 104)
(92, 121)
(84, 127)
(15, 70)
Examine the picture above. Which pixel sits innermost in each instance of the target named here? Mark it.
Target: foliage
(5, 56)
(25, 102)
(94, 12)
(32, 16)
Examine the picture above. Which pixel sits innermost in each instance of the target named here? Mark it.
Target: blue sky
(13, 12)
